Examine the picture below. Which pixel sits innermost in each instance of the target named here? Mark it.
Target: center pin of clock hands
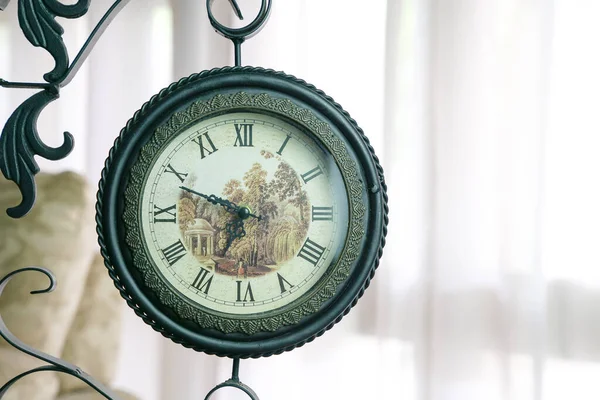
(242, 212)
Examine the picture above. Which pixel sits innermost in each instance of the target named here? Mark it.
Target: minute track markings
(292, 284)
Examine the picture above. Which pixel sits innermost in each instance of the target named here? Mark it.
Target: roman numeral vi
(248, 292)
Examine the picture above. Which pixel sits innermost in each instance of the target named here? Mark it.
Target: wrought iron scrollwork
(37, 19)
(55, 364)
(20, 142)
(239, 35)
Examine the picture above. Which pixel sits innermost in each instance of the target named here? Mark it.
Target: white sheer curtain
(484, 116)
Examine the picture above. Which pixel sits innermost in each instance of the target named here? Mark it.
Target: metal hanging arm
(239, 35)
(20, 142)
(234, 382)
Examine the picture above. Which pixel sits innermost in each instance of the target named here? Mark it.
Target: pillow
(57, 234)
(92, 342)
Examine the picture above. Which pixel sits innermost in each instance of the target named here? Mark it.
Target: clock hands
(240, 211)
(235, 230)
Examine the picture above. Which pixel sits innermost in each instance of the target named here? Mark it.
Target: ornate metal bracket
(20, 142)
(58, 365)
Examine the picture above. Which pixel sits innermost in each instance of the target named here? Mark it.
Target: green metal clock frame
(200, 96)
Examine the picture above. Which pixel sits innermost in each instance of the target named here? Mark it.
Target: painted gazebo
(199, 238)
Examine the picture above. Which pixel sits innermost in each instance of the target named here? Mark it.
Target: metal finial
(239, 35)
(235, 382)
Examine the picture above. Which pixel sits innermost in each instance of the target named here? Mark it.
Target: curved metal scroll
(20, 142)
(239, 35)
(234, 382)
(56, 364)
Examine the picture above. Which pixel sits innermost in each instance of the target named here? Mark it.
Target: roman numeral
(322, 213)
(282, 282)
(174, 252)
(312, 174)
(287, 139)
(179, 175)
(203, 150)
(169, 211)
(244, 140)
(311, 251)
(201, 283)
(248, 292)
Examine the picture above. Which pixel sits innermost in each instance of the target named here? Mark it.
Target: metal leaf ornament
(37, 20)
(20, 142)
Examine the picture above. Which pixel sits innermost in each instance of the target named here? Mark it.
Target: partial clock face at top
(293, 225)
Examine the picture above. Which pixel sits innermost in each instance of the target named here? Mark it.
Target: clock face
(243, 213)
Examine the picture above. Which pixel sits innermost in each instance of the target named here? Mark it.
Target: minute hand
(229, 206)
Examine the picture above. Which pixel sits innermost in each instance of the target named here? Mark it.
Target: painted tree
(287, 186)
(186, 212)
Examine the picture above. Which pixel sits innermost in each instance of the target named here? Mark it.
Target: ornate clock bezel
(200, 96)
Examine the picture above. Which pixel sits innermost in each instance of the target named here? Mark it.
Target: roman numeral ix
(174, 252)
(311, 251)
(169, 211)
(201, 141)
(243, 135)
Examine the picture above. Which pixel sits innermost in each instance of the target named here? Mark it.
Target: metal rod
(237, 46)
(91, 41)
(235, 374)
(25, 85)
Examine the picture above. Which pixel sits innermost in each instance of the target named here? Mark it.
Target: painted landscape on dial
(284, 209)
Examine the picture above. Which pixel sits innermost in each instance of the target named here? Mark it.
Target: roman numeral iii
(243, 135)
(169, 211)
(311, 251)
(174, 252)
(201, 283)
(322, 213)
(203, 140)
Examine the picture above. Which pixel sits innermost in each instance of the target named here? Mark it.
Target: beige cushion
(57, 234)
(92, 342)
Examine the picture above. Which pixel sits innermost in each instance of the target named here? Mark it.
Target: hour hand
(235, 229)
(229, 206)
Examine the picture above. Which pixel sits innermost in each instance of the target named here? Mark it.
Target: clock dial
(243, 213)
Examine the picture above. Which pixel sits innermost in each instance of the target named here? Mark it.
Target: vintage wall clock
(241, 211)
